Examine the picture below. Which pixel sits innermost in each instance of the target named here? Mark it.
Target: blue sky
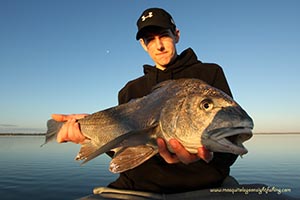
(63, 56)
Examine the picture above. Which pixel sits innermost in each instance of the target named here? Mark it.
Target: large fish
(189, 110)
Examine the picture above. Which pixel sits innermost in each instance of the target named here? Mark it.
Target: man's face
(160, 45)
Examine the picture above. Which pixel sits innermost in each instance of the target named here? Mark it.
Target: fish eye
(206, 104)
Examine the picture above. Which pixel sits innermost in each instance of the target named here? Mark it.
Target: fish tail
(52, 129)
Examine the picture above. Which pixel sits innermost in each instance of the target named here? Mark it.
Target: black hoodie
(155, 175)
(185, 66)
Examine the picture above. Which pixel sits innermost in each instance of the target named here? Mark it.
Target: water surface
(50, 172)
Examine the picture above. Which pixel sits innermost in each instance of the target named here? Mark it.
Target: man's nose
(159, 44)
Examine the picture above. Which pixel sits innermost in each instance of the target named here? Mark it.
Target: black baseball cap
(154, 17)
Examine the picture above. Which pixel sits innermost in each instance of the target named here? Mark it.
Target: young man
(166, 172)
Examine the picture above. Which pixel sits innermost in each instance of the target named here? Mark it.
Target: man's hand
(70, 131)
(180, 153)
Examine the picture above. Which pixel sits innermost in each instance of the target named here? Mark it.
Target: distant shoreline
(22, 134)
(277, 133)
(43, 134)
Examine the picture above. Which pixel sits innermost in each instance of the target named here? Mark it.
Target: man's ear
(177, 36)
(143, 45)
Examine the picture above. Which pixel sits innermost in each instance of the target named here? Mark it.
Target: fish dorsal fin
(132, 138)
(161, 84)
(131, 157)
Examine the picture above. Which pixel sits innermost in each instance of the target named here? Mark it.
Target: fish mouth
(229, 140)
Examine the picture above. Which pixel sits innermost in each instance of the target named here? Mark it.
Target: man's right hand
(181, 154)
(70, 131)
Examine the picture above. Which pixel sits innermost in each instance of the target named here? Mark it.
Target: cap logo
(150, 14)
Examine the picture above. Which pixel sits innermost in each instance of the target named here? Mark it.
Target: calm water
(28, 171)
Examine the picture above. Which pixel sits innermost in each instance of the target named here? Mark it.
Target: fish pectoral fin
(131, 157)
(139, 137)
(132, 138)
